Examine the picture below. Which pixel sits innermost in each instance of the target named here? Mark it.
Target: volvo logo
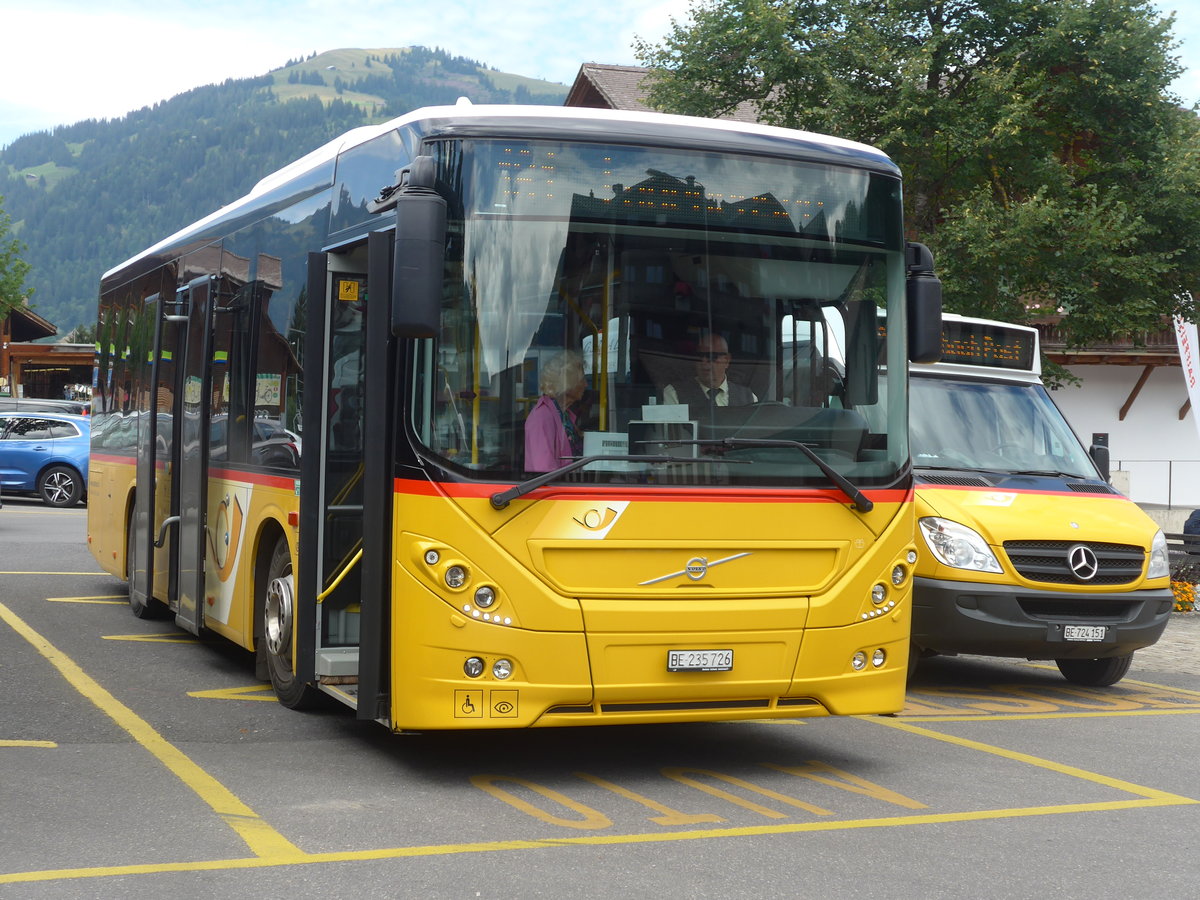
(695, 568)
(1082, 562)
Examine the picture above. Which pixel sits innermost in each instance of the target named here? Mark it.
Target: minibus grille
(1049, 561)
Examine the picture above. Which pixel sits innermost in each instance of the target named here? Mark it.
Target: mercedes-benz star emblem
(1082, 562)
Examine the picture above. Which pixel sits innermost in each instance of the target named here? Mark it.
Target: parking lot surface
(137, 761)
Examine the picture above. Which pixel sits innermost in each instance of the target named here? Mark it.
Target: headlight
(456, 577)
(1160, 562)
(958, 546)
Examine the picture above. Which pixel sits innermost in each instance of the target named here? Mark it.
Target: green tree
(1045, 161)
(12, 267)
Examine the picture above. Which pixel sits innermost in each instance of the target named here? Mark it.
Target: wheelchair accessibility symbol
(468, 704)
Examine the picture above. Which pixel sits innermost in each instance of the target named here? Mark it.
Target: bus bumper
(1005, 620)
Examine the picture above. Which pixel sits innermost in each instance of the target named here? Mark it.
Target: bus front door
(345, 503)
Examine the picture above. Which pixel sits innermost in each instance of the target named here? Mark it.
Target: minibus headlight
(1160, 562)
(958, 546)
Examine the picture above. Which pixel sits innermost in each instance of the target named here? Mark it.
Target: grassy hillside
(85, 196)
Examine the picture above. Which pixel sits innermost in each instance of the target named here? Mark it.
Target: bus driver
(710, 387)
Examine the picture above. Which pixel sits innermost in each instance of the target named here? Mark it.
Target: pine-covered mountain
(87, 196)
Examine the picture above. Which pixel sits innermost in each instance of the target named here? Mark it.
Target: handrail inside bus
(341, 575)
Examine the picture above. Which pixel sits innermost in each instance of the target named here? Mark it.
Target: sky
(68, 60)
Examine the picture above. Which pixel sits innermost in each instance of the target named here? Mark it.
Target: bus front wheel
(276, 642)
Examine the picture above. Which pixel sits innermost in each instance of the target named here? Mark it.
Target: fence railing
(1164, 482)
(1183, 552)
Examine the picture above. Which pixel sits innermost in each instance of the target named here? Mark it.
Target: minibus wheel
(1095, 672)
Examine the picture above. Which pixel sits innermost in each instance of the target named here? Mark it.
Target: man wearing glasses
(710, 387)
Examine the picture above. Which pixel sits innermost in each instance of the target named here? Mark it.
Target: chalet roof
(601, 86)
(27, 325)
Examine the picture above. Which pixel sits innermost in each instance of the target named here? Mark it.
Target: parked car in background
(44, 404)
(45, 453)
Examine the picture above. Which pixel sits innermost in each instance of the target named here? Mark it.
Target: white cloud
(1187, 33)
(75, 59)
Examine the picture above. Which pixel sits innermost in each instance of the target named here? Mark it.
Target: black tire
(143, 608)
(1095, 672)
(60, 486)
(276, 610)
(914, 656)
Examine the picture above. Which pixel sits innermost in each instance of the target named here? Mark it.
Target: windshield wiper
(501, 499)
(1051, 473)
(860, 500)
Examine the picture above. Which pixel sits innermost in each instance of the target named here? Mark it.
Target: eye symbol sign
(595, 520)
(503, 707)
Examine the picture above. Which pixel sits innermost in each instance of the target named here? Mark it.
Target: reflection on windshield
(997, 427)
(607, 301)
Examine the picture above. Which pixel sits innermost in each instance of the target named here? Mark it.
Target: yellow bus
(310, 422)
(1030, 552)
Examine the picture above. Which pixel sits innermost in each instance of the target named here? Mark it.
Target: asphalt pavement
(137, 762)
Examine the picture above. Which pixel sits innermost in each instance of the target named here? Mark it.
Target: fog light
(456, 576)
(501, 668)
(432, 556)
(485, 596)
(858, 661)
(897, 575)
(878, 594)
(912, 557)
(878, 658)
(473, 667)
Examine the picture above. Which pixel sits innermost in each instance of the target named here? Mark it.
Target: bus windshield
(710, 309)
(1001, 427)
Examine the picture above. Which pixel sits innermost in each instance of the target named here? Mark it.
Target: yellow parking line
(261, 838)
(1024, 717)
(1128, 787)
(213, 865)
(52, 573)
(107, 598)
(162, 637)
(41, 745)
(36, 511)
(253, 692)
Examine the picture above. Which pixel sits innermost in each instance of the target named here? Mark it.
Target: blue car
(45, 453)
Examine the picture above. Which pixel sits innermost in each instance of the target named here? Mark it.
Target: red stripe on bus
(464, 490)
(276, 481)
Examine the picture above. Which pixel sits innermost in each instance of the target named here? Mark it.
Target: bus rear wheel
(144, 607)
(276, 642)
(1095, 672)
